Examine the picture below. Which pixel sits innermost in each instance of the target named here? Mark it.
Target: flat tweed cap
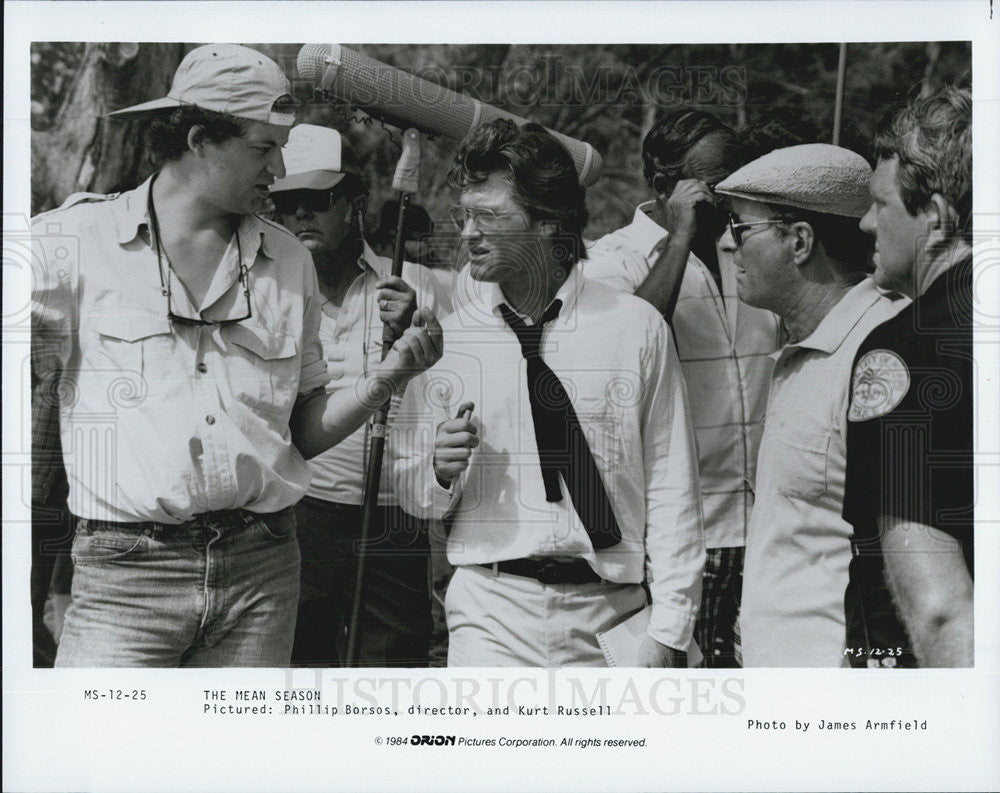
(815, 176)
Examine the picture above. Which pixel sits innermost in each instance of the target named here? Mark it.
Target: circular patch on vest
(881, 380)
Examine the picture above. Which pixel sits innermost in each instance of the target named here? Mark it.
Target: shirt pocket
(800, 465)
(129, 351)
(264, 368)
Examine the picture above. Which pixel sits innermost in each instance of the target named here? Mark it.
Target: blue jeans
(220, 590)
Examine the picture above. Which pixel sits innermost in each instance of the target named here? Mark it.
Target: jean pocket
(278, 526)
(105, 545)
(263, 367)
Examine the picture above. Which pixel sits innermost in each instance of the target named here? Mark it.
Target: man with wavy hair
(910, 493)
(574, 479)
(191, 382)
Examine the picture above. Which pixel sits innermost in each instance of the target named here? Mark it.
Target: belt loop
(495, 569)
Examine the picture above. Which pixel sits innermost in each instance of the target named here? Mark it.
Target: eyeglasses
(482, 219)
(165, 286)
(736, 227)
(182, 320)
(287, 202)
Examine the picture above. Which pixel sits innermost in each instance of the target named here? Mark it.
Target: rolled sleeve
(675, 544)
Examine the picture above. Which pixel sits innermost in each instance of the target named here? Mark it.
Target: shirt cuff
(671, 626)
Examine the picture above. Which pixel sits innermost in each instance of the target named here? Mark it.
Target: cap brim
(146, 109)
(309, 180)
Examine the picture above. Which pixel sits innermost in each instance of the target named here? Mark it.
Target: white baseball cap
(316, 158)
(224, 78)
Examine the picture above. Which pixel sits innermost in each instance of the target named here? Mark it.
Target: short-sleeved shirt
(909, 450)
(798, 549)
(352, 342)
(161, 421)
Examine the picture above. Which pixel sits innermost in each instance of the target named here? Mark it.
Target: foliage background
(608, 95)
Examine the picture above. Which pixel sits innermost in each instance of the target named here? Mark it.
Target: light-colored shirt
(725, 351)
(352, 342)
(161, 421)
(613, 353)
(798, 549)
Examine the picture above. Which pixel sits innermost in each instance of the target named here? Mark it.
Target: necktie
(562, 445)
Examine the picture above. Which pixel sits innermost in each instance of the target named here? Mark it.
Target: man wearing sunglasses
(799, 253)
(670, 256)
(191, 386)
(574, 477)
(321, 199)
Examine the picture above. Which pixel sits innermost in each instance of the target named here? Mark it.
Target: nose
(868, 223)
(302, 212)
(470, 230)
(276, 164)
(726, 241)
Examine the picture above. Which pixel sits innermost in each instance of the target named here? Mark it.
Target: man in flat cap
(321, 199)
(670, 256)
(799, 253)
(910, 493)
(192, 382)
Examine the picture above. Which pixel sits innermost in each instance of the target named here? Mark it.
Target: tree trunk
(85, 152)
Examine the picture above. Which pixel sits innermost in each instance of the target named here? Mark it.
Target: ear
(660, 184)
(941, 215)
(803, 240)
(195, 138)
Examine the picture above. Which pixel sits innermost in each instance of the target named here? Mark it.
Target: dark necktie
(562, 445)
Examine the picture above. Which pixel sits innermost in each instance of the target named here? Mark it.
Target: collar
(380, 265)
(645, 231)
(568, 293)
(839, 320)
(131, 219)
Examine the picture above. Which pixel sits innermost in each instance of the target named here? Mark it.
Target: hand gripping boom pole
(405, 182)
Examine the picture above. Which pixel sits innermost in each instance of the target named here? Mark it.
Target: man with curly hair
(574, 479)
(910, 491)
(191, 382)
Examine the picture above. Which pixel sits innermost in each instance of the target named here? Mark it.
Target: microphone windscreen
(404, 100)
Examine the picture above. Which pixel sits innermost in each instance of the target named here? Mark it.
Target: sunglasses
(736, 227)
(287, 202)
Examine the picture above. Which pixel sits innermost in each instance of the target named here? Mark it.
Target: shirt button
(203, 367)
(210, 419)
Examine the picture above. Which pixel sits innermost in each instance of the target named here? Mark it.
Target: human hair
(931, 138)
(667, 145)
(541, 173)
(841, 237)
(167, 135)
(777, 131)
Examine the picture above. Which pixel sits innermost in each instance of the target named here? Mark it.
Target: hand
(396, 303)
(679, 207)
(453, 445)
(652, 654)
(418, 349)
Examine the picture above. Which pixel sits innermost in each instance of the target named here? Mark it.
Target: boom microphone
(405, 100)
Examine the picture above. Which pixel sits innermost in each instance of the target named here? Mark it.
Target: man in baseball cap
(321, 199)
(193, 324)
(799, 252)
